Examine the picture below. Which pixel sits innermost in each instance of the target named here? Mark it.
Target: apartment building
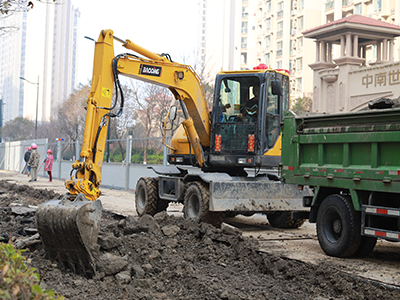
(42, 50)
(270, 32)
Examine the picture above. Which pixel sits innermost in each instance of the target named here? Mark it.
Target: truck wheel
(283, 219)
(146, 197)
(338, 226)
(196, 204)
(367, 244)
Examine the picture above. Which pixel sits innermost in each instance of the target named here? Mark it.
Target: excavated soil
(169, 257)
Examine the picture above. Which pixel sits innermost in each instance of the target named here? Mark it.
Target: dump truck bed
(358, 150)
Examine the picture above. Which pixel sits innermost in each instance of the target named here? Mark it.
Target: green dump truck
(352, 162)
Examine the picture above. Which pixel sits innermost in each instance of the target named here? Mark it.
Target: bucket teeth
(69, 230)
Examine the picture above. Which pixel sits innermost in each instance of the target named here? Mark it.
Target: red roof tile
(358, 19)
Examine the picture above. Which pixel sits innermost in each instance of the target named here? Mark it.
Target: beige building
(270, 32)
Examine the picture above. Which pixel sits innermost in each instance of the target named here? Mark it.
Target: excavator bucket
(69, 230)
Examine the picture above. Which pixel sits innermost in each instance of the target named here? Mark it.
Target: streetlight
(37, 99)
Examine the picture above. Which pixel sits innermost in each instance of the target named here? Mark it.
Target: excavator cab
(246, 121)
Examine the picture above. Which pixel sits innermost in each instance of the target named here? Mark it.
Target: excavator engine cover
(69, 230)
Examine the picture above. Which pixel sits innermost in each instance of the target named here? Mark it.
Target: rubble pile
(168, 257)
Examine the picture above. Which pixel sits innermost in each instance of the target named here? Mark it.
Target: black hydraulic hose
(118, 89)
(167, 56)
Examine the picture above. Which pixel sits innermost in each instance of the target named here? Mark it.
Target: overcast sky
(161, 26)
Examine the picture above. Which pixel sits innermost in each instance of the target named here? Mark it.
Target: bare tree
(9, 8)
(18, 129)
(119, 126)
(152, 104)
(71, 114)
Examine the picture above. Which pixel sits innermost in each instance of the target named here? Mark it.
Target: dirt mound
(169, 257)
(24, 194)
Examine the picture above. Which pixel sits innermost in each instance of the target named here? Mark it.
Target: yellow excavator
(231, 146)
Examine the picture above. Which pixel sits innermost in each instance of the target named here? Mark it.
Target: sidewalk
(119, 201)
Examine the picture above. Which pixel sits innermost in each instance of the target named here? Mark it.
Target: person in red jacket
(49, 164)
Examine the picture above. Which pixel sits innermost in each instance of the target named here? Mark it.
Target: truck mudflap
(68, 230)
(256, 196)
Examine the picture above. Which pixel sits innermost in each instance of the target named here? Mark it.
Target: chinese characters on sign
(381, 79)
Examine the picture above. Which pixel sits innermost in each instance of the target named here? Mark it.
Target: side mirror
(172, 113)
(276, 87)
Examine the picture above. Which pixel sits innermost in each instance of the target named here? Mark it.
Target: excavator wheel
(283, 219)
(69, 229)
(196, 204)
(146, 197)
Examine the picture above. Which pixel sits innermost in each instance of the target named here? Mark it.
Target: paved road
(301, 244)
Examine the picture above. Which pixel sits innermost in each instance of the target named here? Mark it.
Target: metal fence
(124, 160)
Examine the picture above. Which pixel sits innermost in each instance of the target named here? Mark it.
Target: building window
(279, 12)
(245, 13)
(300, 23)
(244, 42)
(291, 50)
(279, 46)
(299, 64)
(268, 6)
(377, 5)
(300, 43)
(267, 41)
(279, 32)
(329, 4)
(279, 64)
(244, 27)
(267, 59)
(243, 58)
(268, 24)
(358, 9)
(301, 4)
(299, 84)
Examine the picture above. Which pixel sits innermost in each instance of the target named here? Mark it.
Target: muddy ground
(168, 257)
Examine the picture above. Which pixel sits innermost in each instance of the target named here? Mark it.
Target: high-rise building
(42, 50)
(218, 37)
(270, 32)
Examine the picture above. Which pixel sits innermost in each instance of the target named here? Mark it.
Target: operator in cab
(250, 111)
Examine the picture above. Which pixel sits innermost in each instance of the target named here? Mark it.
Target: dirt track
(200, 262)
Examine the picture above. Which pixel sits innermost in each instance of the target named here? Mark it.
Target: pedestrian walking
(49, 164)
(34, 162)
(27, 155)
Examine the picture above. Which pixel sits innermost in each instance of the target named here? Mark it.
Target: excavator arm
(180, 79)
(69, 228)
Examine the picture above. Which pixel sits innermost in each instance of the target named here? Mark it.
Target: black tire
(338, 226)
(196, 204)
(367, 244)
(283, 219)
(146, 197)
